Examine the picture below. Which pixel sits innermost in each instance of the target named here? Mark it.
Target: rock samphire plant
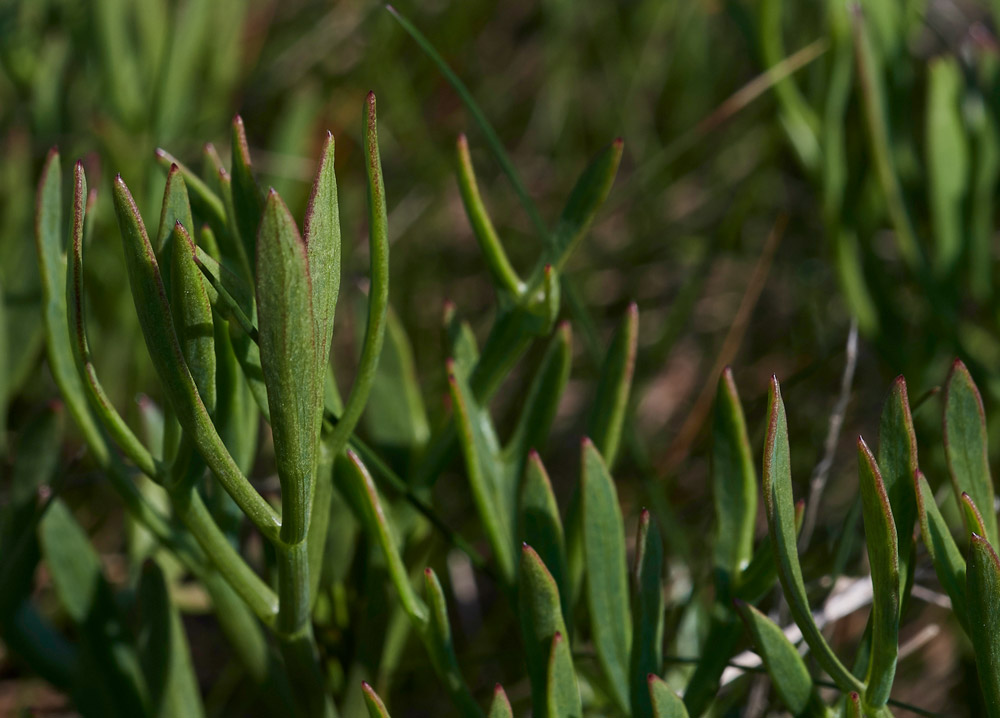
(236, 307)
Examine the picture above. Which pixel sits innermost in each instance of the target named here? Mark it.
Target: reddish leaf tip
(428, 571)
(585, 442)
(55, 405)
(650, 677)
(618, 142)
(557, 637)
(644, 514)
(532, 454)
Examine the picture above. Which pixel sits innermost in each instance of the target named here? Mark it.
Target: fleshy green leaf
(378, 293)
(321, 232)
(788, 672)
(486, 472)
(880, 537)
(363, 489)
(164, 651)
(149, 297)
(541, 402)
(176, 208)
(897, 460)
(500, 707)
(965, 444)
(588, 195)
(734, 486)
(948, 561)
(541, 621)
(248, 200)
(666, 703)
(437, 638)
(376, 709)
(607, 416)
(983, 590)
(606, 573)
(562, 692)
(647, 613)
(780, 509)
(288, 360)
(540, 525)
(504, 275)
(192, 313)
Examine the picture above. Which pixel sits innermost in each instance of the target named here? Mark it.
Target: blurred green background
(787, 166)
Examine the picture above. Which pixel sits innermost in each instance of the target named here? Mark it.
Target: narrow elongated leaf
(607, 416)
(540, 525)
(192, 313)
(788, 672)
(485, 468)
(248, 200)
(204, 201)
(562, 692)
(288, 360)
(500, 706)
(780, 509)
(647, 613)
(504, 275)
(436, 634)
(176, 208)
(588, 195)
(983, 590)
(541, 402)
(164, 349)
(897, 460)
(99, 401)
(734, 486)
(949, 564)
(541, 621)
(883, 557)
(666, 703)
(378, 292)
(965, 444)
(164, 651)
(321, 232)
(378, 526)
(606, 574)
(374, 704)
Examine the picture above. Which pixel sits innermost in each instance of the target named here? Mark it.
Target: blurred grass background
(749, 220)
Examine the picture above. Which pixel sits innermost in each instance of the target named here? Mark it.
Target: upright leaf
(192, 313)
(949, 564)
(734, 486)
(248, 200)
(541, 527)
(562, 692)
(288, 360)
(983, 590)
(607, 416)
(541, 621)
(897, 460)
(321, 232)
(965, 444)
(588, 195)
(780, 509)
(883, 557)
(606, 573)
(647, 613)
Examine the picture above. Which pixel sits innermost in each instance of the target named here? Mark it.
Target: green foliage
(324, 532)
